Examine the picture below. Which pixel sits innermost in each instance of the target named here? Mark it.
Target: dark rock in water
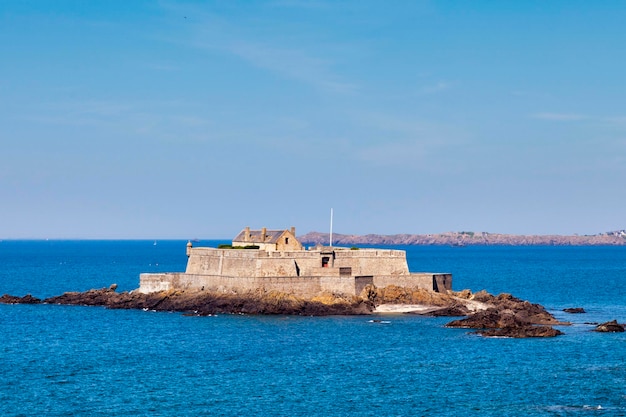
(575, 310)
(489, 319)
(610, 327)
(501, 316)
(510, 317)
(205, 303)
(11, 299)
(522, 331)
(103, 297)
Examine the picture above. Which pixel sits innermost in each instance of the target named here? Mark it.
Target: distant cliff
(467, 238)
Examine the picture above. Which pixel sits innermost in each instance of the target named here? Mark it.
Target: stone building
(268, 240)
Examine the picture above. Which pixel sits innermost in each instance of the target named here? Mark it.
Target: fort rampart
(301, 272)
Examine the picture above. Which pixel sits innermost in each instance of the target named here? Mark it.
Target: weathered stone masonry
(300, 272)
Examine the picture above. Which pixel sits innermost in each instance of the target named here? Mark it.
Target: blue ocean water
(71, 360)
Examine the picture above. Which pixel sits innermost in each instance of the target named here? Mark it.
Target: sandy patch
(404, 308)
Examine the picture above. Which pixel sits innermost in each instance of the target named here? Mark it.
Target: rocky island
(269, 272)
(502, 315)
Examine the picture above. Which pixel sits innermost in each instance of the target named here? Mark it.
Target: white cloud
(294, 53)
(291, 63)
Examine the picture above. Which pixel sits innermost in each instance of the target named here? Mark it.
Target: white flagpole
(331, 227)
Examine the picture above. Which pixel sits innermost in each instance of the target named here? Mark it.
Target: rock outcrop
(610, 327)
(502, 315)
(523, 331)
(508, 316)
(574, 310)
(207, 303)
(393, 294)
(11, 299)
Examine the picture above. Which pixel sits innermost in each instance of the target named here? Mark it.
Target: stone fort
(274, 260)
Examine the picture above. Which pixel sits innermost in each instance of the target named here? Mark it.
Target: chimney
(293, 231)
(246, 234)
(263, 232)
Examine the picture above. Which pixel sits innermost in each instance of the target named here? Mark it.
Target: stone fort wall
(258, 263)
(304, 286)
(303, 273)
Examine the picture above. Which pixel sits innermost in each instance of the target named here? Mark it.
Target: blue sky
(148, 119)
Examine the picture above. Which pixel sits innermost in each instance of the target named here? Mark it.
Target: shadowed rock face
(456, 310)
(508, 316)
(519, 332)
(11, 299)
(505, 310)
(574, 310)
(206, 303)
(610, 327)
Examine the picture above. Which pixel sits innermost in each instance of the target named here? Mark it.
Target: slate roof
(271, 236)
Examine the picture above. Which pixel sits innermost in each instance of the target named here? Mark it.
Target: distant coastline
(616, 238)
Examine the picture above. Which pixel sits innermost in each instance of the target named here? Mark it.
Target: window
(325, 260)
(286, 240)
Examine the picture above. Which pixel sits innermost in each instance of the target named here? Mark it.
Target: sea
(91, 361)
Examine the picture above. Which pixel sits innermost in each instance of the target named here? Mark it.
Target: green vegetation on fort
(228, 246)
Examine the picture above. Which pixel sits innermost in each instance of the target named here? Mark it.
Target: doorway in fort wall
(361, 281)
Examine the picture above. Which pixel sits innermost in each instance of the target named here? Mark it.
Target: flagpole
(331, 227)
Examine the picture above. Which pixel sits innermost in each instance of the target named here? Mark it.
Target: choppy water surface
(68, 360)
